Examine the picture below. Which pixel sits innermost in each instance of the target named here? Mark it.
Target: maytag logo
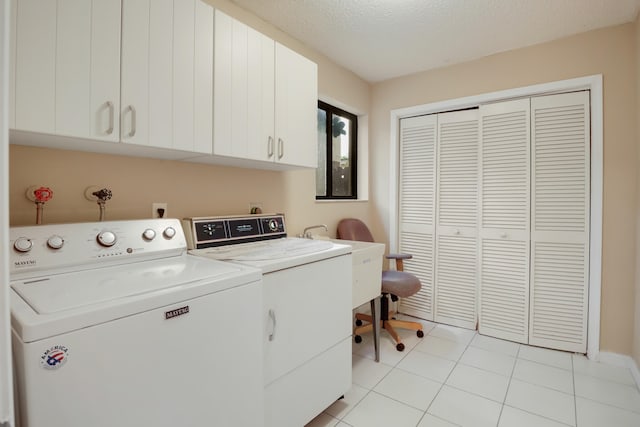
(26, 263)
(177, 312)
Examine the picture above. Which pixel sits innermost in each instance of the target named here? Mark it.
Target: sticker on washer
(55, 357)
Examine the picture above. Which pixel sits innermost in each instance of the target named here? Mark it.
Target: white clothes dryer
(307, 295)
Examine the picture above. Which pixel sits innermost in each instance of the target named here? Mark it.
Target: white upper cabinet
(244, 90)
(141, 72)
(73, 59)
(296, 109)
(66, 67)
(167, 64)
(265, 98)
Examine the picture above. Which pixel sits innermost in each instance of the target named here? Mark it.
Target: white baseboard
(622, 361)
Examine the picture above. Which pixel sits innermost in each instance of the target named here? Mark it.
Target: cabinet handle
(133, 121)
(111, 118)
(270, 147)
(272, 316)
(280, 148)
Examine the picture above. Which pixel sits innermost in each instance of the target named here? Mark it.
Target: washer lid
(53, 294)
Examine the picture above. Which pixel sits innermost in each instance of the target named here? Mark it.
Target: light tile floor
(456, 377)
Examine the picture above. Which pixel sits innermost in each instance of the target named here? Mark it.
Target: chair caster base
(357, 339)
(400, 347)
(420, 334)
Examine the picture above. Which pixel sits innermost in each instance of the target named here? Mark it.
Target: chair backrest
(354, 229)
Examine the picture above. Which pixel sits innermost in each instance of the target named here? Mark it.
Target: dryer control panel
(207, 232)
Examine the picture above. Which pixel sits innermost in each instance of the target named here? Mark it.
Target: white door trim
(592, 83)
(6, 383)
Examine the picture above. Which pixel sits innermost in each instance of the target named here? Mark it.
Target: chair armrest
(399, 258)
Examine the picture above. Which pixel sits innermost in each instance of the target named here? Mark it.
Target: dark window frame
(353, 152)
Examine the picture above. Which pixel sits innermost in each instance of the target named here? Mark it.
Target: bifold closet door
(456, 264)
(504, 220)
(560, 208)
(417, 208)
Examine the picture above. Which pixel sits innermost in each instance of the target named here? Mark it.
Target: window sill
(342, 200)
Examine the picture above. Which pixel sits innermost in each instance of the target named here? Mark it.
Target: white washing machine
(115, 325)
(307, 297)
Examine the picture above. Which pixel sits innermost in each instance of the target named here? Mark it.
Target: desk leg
(375, 314)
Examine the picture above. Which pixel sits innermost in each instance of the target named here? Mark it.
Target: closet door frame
(594, 85)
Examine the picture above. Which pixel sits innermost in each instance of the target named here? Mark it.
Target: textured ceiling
(382, 39)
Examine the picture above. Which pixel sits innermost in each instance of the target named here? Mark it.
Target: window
(337, 159)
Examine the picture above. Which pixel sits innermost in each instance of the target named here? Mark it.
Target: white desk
(367, 286)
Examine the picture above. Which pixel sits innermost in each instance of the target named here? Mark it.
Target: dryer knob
(169, 232)
(23, 244)
(149, 234)
(55, 242)
(107, 238)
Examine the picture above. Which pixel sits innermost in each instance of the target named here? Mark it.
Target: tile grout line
(426, 411)
(506, 393)
(370, 390)
(575, 398)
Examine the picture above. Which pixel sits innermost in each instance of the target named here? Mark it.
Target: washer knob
(23, 244)
(149, 234)
(169, 232)
(107, 238)
(55, 242)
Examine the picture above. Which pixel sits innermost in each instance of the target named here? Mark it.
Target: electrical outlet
(255, 207)
(156, 208)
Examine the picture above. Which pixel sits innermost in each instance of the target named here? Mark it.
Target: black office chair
(395, 283)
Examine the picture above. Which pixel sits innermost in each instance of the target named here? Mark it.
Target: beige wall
(610, 52)
(189, 189)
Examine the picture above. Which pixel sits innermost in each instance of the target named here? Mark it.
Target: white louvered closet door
(560, 221)
(504, 220)
(417, 208)
(457, 218)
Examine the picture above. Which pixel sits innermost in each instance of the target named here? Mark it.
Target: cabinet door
(66, 70)
(136, 81)
(261, 92)
(504, 220)
(560, 208)
(159, 76)
(222, 86)
(298, 326)
(296, 105)
(244, 88)
(457, 211)
(36, 28)
(417, 208)
(203, 81)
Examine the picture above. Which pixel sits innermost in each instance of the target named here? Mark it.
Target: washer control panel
(47, 247)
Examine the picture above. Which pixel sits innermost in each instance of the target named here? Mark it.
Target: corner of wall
(636, 329)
